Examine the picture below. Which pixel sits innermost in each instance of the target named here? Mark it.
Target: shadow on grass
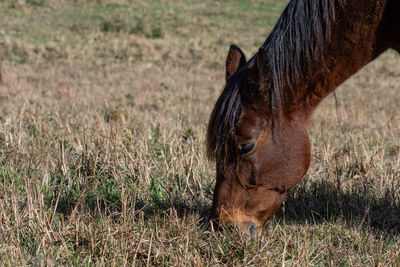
(182, 208)
(312, 202)
(316, 202)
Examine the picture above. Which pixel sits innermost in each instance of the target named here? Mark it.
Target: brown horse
(258, 129)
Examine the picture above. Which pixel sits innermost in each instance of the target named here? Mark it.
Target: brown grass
(102, 157)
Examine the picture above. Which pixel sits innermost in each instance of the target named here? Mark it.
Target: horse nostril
(252, 228)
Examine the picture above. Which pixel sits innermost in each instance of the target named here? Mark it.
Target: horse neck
(357, 38)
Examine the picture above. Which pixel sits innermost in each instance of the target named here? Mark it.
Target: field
(103, 114)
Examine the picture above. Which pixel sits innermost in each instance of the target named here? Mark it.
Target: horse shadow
(181, 207)
(311, 202)
(317, 202)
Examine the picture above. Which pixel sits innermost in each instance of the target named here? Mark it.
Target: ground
(103, 114)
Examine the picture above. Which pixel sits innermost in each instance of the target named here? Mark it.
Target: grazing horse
(257, 132)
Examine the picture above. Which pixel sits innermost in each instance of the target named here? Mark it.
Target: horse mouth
(237, 219)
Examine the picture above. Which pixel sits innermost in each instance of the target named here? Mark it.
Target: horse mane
(294, 49)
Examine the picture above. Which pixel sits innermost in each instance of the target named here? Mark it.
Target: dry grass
(102, 157)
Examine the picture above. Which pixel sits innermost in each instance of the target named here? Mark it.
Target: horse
(257, 133)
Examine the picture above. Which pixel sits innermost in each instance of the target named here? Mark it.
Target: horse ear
(234, 61)
(257, 93)
(257, 73)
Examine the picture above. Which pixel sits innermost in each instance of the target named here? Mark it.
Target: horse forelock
(221, 127)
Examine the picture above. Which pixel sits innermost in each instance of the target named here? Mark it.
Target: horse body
(258, 129)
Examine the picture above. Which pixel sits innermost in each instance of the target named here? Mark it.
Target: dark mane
(294, 46)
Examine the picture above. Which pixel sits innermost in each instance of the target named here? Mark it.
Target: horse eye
(245, 148)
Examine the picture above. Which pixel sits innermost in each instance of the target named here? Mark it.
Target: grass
(103, 114)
